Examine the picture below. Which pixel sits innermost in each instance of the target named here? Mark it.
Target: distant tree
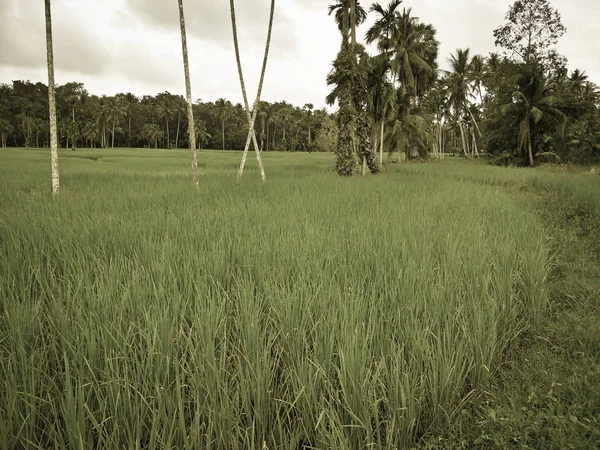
(532, 32)
(5, 129)
(52, 101)
(115, 112)
(309, 108)
(381, 96)
(532, 105)
(224, 113)
(152, 133)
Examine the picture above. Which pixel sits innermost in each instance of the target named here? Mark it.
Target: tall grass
(312, 312)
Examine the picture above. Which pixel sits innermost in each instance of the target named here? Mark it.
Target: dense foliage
(125, 120)
(520, 107)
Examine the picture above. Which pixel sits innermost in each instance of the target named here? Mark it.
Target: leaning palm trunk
(251, 116)
(52, 101)
(188, 96)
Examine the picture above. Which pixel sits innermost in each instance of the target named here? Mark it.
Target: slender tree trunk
(168, 137)
(113, 133)
(353, 23)
(223, 130)
(475, 144)
(52, 101)
(381, 144)
(345, 155)
(251, 117)
(530, 151)
(463, 139)
(177, 134)
(129, 131)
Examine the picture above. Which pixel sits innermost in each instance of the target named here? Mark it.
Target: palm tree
(381, 96)
(188, 96)
(223, 114)
(577, 81)
(166, 112)
(180, 106)
(413, 43)
(341, 78)
(152, 133)
(384, 27)
(341, 10)
(309, 108)
(51, 101)
(459, 88)
(115, 111)
(200, 132)
(128, 101)
(478, 71)
(251, 116)
(532, 104)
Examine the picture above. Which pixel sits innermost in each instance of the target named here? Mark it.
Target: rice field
(310, 312)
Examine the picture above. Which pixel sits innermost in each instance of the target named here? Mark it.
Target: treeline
(522, 106)
(160, 121)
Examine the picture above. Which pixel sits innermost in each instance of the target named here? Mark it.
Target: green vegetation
(313, 311)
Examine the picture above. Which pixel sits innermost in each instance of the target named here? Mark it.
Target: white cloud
(134, 45)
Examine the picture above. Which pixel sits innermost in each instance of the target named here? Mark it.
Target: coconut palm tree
(251, 116)
(309, 108)
(115, 112)
(412, 44)
(166, 112)
(223, 113)
(577, 81)
(381, 96)
(532, 104)
(200, 132)
(128, 101)
(459, 89)
(188, 97)
(52, 101)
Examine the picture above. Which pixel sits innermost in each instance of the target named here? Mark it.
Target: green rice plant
(312, 312)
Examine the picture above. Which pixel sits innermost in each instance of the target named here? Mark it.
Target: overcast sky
(135, 46)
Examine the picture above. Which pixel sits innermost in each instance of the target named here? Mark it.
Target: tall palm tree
(411, 41)
(188, 97)
(381, 96)
(532, 104)
(341, 7)
(341, 77)
(166, 112)
(251, 116)
(577, 81)
(459, 89)
(114, 113)
(309, 108)
(52, 101)
(385, 26)
(223, 114)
